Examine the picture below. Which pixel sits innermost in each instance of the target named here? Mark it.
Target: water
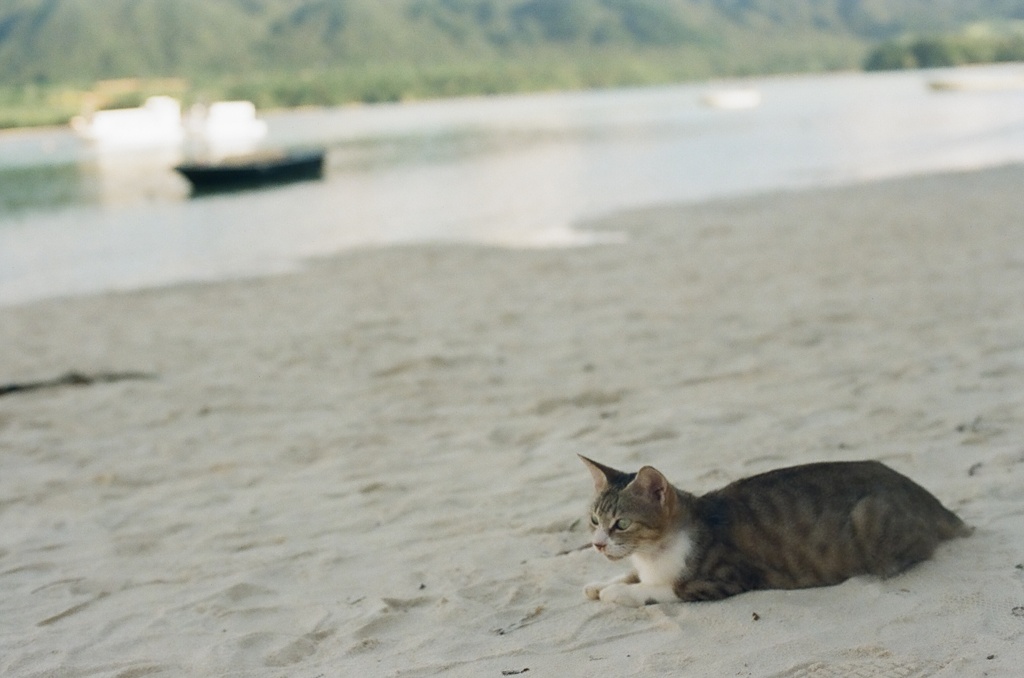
(516, 171)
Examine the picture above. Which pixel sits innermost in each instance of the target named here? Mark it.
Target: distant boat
(225, 127)
(253, 171)
(157, 123)
(978, 82)
(732, 99)
(222, 128)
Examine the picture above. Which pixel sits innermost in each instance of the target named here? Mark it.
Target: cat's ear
(652, 485)
(603, 475)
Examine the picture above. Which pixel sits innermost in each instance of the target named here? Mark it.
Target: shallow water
(514, 171)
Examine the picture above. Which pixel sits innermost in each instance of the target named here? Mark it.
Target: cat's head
(631, 512)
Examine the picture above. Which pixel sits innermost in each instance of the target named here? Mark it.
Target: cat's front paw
(593, 591)
(622, 594)
(637, 595)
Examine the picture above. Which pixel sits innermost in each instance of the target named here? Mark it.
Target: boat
(225, 128)
(978, 82)
(732, 99)
(222, 128)
(253, 170)
(157, 123)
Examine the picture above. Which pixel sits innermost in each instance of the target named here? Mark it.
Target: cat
(811, 525)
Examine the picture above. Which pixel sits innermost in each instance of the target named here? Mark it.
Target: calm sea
(515, 171)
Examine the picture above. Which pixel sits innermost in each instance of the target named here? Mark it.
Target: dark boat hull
(253, 172)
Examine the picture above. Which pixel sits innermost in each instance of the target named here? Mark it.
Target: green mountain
(290, 52)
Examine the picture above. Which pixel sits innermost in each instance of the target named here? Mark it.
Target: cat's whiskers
(610, 549)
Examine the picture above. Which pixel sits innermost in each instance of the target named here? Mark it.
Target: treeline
(325, 52)
(944, 51)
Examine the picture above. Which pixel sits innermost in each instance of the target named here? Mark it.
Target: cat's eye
(622, 524)
(593, 520)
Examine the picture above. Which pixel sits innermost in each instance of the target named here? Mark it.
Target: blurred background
(498, 121)
(60, 56)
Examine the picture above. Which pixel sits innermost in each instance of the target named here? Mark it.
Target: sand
(368, 468)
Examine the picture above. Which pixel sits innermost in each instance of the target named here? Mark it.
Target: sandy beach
(369, 468)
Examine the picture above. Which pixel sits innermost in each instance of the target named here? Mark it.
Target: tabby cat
(811, 525)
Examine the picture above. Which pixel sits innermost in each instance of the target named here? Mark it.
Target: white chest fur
(662, 567)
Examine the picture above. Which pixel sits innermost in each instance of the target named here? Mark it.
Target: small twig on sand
(581, 547)
(72, 379)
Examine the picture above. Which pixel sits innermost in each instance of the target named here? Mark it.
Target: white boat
(154, 124)
(732, 99)
(221, 128)
(225, 127)
(978, 82)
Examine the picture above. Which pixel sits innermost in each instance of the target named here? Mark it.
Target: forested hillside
(290, 52)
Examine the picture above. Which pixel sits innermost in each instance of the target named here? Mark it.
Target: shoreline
(594, 232)
(369, 465)
(706, 79)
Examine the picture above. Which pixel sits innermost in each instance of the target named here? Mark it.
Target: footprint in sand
(868, 668)
(140, 671)
(298, 649)
(387, 619)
